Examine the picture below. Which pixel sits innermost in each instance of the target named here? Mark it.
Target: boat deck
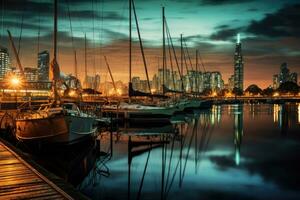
(19, 180)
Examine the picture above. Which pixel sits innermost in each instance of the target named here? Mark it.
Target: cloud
(284, 22)
(89, 14)
(223, 2)
(225, 34)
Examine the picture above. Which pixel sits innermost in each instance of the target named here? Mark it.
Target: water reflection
(228, 152)
(285, 116)
(238, 131)
(299, 113)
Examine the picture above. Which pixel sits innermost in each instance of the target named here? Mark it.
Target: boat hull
(41, 128)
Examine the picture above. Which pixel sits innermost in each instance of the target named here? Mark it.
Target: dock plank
(18, 180)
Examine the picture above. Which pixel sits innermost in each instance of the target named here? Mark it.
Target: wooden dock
(19, 180)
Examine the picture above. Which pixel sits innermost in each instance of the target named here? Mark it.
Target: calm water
(228, 152)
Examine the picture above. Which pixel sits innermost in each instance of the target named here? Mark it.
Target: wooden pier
(19, 180)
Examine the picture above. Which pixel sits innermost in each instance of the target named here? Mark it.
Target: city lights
(14, 81)
(276, 94)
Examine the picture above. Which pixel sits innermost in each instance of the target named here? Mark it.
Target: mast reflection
(238, 131)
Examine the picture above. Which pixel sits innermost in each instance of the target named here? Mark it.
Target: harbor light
(276, 94)
(14, 81)
(72, 93)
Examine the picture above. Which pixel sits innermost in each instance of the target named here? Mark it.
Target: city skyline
(265, 44)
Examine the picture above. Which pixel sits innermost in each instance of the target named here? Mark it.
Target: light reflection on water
(228, 152)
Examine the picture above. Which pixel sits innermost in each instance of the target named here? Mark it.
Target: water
(228, 152)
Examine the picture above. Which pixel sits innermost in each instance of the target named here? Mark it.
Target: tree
(269, 91)
(253, 89)
(237, 92)
(289, 87)
(207, 92)
(223, 92)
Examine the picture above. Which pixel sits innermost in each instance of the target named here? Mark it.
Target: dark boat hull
(41, 129)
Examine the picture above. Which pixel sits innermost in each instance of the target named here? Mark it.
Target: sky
(269, 29)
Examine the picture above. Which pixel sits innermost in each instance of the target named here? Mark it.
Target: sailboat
(184, 102)
(136, 111)
(54, 122)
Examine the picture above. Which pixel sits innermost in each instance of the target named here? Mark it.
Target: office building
(238, 65)
(4, 62)
(43, 66)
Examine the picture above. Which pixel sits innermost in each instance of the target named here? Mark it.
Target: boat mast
(181, 60)
(197, 71)
(55, 31)
(141, 46)
(164, 48)
(55, 69)
(130, 48)
(75, 70)
(16, 54)
(85, 61)
(111, 76)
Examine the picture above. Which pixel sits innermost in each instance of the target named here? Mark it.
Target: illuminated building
(43, 66)
(284, 73)
(4, 62)
(238, 66)
(136, 82)
(293, 77)
(231, 82)
(93, 82)
(284, 76)
(216, 81)
(144, 86)
(275, 81)
(31, 74)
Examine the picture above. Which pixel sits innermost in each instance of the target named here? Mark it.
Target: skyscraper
(4, 62)
(284, 73)
(238, 65)
(43, 66)
(284, 76)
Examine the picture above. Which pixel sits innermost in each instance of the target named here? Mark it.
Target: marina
(135, 99)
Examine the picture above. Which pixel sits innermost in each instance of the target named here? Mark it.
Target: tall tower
(4, 62)
(43, 66)
(238, 65)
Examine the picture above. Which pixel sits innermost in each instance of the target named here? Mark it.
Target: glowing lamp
(72, 93)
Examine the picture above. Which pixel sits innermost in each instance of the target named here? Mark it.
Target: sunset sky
(270, 34)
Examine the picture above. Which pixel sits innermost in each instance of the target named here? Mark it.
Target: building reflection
(215, 114)
(276, 113)
(284, 115)
(238, 131)
(298, 113)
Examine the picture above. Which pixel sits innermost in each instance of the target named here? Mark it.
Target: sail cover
(54, 72)
(167, 90)
(136, 93)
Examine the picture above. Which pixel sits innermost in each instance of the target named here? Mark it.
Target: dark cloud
(225, 34)
(284, 22)
(88, 14)
(252, 9)
(26, 25)
(28, 7)
(224, 26)
(223, 2)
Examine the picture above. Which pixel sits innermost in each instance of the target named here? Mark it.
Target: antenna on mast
(238, 39)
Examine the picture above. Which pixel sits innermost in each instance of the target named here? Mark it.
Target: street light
(15, 82)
